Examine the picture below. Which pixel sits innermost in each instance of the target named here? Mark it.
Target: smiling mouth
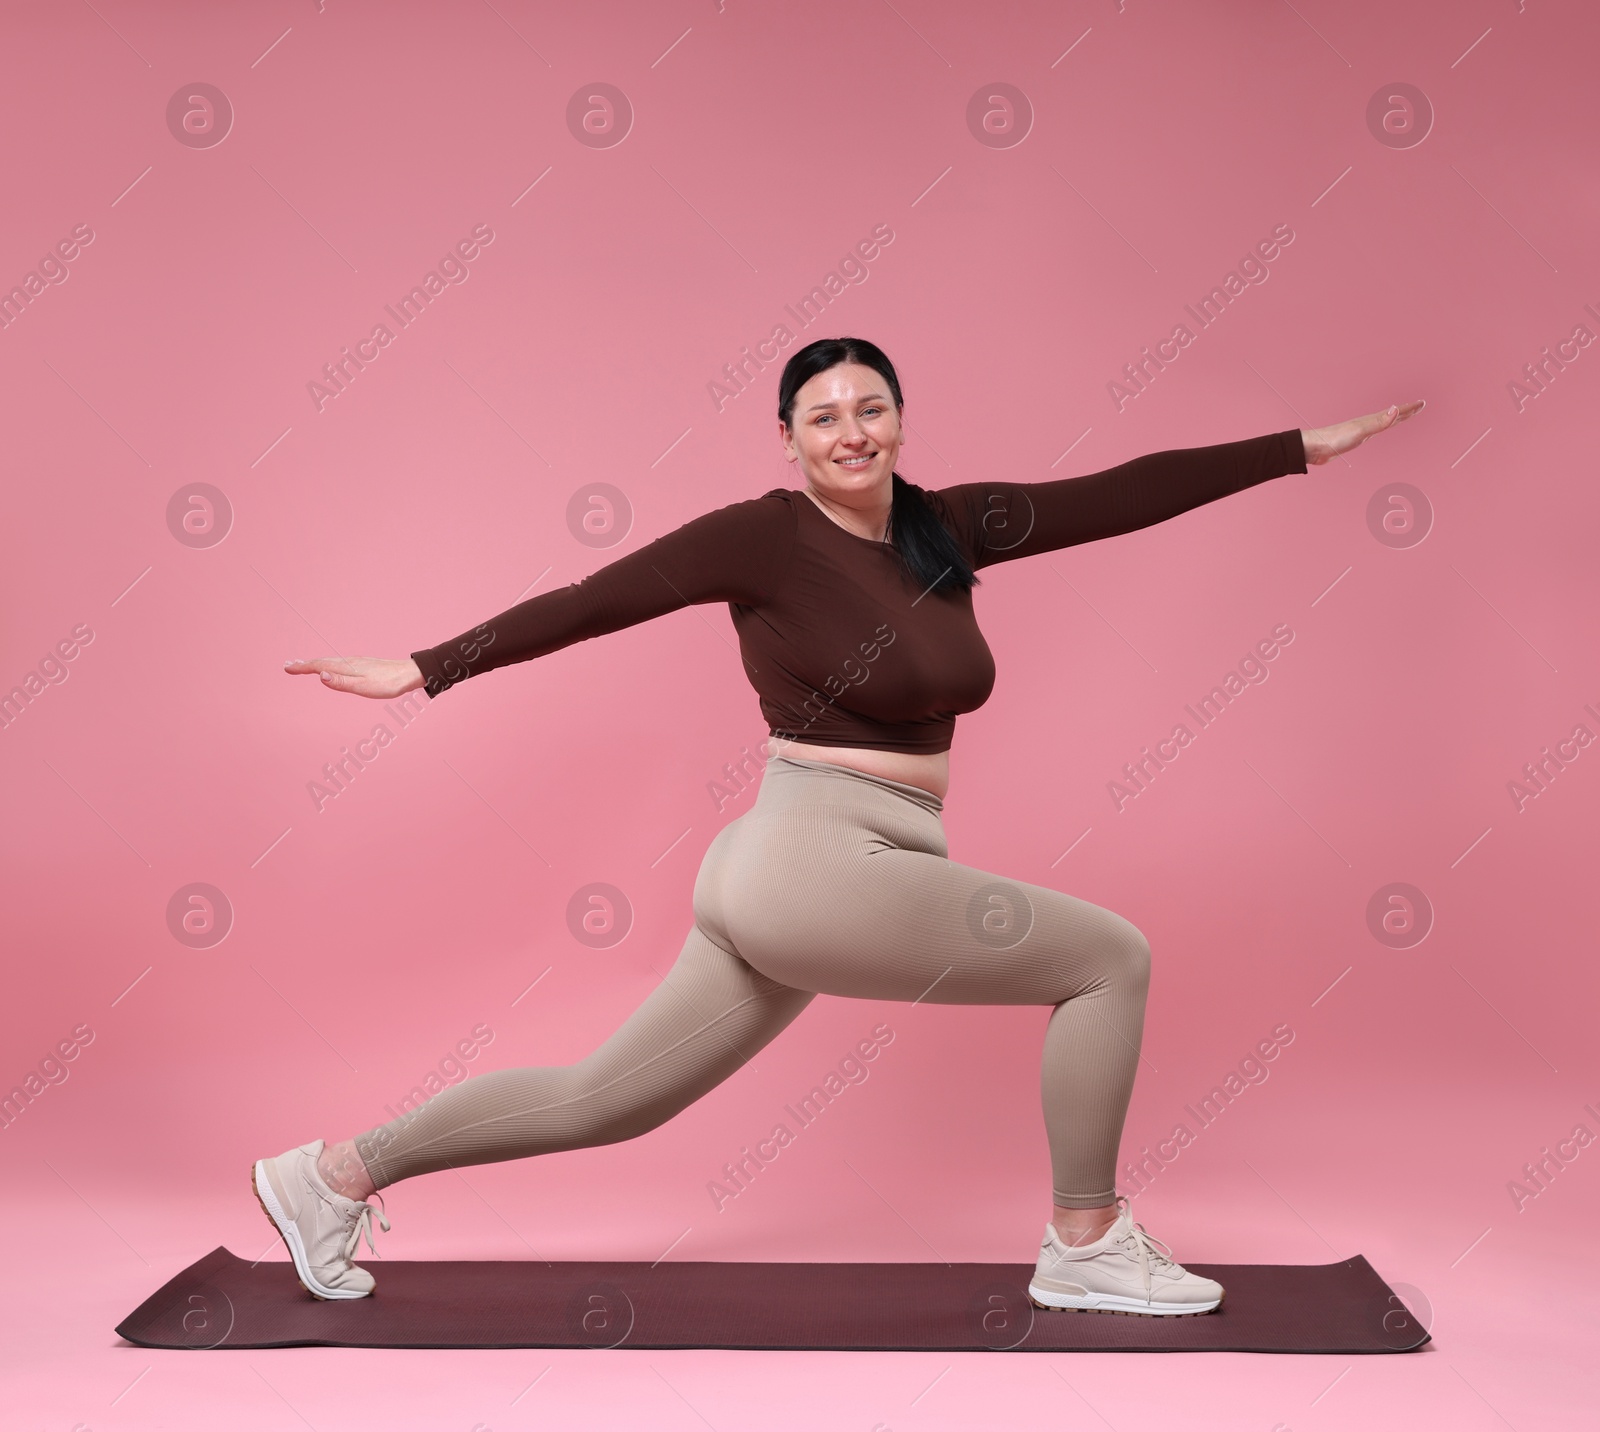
(855, 462)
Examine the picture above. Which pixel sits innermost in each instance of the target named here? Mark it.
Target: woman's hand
(379, 677)
(1324, 443)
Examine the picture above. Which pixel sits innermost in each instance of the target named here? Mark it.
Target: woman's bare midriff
(930, 772)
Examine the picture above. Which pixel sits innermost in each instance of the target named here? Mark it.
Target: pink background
(1166, 141)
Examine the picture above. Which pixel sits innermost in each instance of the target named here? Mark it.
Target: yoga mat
(224, 1302)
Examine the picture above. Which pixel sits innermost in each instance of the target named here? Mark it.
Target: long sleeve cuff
(443, 666)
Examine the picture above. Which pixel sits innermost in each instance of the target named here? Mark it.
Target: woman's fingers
(317, 666)
(375, 676)
(329, 668)
(1323, 444)
(337, 672)
(1395, 413)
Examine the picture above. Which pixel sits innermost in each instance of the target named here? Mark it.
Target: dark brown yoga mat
(224, 1302)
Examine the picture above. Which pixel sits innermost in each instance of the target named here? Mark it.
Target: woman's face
(846, 435)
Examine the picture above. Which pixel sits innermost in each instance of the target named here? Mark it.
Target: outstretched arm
(737, 553)
(1001, 521)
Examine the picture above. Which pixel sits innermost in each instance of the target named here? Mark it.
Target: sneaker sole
(1107, 1303)
(291, 1238)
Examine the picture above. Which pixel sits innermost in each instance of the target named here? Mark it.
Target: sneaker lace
(361, 1222)
(1154, 1255)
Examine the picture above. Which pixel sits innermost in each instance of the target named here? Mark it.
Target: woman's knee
(1098, 950)
(1125, 951)
(1135, 956)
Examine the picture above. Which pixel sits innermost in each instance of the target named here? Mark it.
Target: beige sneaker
(1125, 1271)
(322, 1228)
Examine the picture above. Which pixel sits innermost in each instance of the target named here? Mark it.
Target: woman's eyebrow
(832, 404)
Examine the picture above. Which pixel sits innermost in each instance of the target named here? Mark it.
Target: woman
(853, 604)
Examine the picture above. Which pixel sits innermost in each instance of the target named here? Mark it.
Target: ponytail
(924, 543)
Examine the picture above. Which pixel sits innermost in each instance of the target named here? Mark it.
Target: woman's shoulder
(742, 548)
(769, 513)
(768, 519)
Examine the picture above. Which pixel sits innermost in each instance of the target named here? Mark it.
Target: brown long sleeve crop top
(840, 644)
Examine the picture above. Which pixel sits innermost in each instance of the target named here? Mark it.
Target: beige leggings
(834, 883)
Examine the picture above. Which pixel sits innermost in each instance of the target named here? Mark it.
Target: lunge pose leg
(708, 1017)
(835, 882)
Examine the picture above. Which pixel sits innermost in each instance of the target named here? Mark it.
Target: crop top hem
(928, 746)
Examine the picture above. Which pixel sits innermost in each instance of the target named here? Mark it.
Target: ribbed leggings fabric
(839, 883)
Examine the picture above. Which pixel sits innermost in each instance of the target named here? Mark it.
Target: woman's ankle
(1077, 1226)
(344, 1172)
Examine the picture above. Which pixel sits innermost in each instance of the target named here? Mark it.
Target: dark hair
(926, 546)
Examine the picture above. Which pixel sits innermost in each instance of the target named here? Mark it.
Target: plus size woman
(852, 598)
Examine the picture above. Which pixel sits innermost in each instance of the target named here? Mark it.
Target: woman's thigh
(864, 903)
